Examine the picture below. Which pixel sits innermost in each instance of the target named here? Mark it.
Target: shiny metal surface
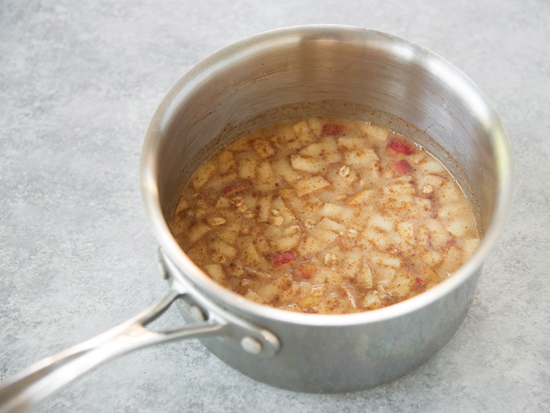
(294, 72)
(341, 71)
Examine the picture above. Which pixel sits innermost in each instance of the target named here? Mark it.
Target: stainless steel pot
(296, 72)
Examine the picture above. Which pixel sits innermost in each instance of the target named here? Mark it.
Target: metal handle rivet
(251, 345)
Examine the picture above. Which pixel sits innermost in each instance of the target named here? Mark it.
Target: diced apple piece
(304, 133)
(361, 197)
(422, 209)
(252, 296)
(432, 167)
(183, 204)
(199, 252)
(402, 285)
(287, 193)
(263, 148)
(332, 211)
(380, 258)
(362, 157)
(329, 277)
(450, 193)
(435, 181)
(457, 227)
(273, 232)
(197, 231)
(217, 182)
(202, 209)
(215, 271)
(332, 129)
(283, 168)
(229, 233)
(266, 180)
(332, 157)
(309, 165)
(406, 231)
(203, 174)
(350, 267)
(279, 205)
(429, 275)
(264, 208)
(268, 292)
(316, 125)
(438, 234)
(469, 247)
(236, 187)
(309, 245)
(400, 146)
(250, 201)
(351, 142)
(307, 186)
(314, 150)
(378, 238)
(249, 253)
(287, 139)
(247, 168)
(381, 222)
(298, 205)
(402, 167)
(260, 242)
(226, 161)
(271, 290)
(288, 295)
(432, 258)
(329, 224)
(376, 132)
(222, 202)
(399, 189)
(286, 243)
(223, 248)
(179, 224)
(309, 302)
(283, 258)
(372, 301)
(325, 236)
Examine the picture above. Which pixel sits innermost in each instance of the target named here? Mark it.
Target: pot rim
(219, 61)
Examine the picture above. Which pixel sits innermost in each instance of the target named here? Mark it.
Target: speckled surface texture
(79, 82)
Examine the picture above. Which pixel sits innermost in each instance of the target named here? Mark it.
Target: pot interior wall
(379, 79)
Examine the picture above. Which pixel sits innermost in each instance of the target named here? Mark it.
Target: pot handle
(36, 383)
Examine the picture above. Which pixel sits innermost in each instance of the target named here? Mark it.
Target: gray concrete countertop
(79, 82)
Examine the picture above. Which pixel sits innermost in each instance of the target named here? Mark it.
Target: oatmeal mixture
(325, 215)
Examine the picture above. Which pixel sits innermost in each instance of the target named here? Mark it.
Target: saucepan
(296, 72)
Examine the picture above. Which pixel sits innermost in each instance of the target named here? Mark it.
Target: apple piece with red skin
(283, 258)
(420, 282)
(398, 146)
(236, 187)
(402, 167)
(333, 129)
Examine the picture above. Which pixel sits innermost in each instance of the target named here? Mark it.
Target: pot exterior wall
(317, 359)
(345, 72)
